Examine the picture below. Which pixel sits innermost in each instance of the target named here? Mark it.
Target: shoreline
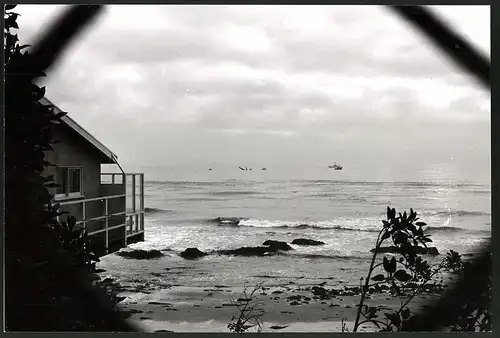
(290, 308)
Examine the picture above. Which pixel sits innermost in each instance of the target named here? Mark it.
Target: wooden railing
(106, 217)
(131, 219)
(134, 213)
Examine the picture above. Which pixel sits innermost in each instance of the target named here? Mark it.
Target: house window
(70, 181)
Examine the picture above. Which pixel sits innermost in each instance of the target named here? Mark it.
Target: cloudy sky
(268, 84)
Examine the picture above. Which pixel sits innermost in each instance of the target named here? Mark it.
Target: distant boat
(241, 168)
(209, 169)
(335, 166)
(264, 168)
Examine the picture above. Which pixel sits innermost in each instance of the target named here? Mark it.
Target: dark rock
(294, 303)
(192, 253)
(296, 297)
(278, 245)
(143, 318)
(276, 292)
(319, 291)
(305, 241)
(250, 251)
(140, 254)
(419, 249)
(163, 331)
(277, 327)
(160, 303)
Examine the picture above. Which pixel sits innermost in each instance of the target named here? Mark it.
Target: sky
(187, 85)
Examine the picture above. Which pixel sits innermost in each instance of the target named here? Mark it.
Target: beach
(219, 216)
(289, 308)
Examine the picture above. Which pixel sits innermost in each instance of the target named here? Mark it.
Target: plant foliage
(409, 276)
(39, 249)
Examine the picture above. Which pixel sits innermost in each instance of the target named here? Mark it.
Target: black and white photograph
(247, 168)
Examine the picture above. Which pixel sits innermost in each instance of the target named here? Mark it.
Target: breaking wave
(364, 225)
(457, 213)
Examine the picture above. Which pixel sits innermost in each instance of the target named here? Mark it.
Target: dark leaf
(392, 265)
(378, 278)
(10, 7)
(386, 264)
(389, 213)
(426, 239)
(40, 94)
(405, 313)
(10, 21)
(402, 276)
(421, 224)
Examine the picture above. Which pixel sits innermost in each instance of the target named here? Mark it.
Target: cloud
(284, 75)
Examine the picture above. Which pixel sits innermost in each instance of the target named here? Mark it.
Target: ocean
(344, 209)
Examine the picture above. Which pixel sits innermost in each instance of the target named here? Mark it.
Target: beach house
(109, 204)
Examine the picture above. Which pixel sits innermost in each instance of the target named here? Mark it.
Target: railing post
(112, 178)
(133, 192)
(142, 192)
(107, 223)
(83, 215)
(124, 185)
(142, 204)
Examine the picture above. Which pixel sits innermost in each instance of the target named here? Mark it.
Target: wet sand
(289, 308)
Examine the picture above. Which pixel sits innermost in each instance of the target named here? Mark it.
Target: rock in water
(278, 327)
(140, 254)
(278, 245)
(250, 251)
(192, 253)
(305, 241)
(228, 220)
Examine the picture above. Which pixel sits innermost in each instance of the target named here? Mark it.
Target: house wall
(73, 150)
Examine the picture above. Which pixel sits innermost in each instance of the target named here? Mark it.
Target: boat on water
(336, 166)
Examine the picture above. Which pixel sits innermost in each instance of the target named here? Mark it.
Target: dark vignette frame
(495, 139)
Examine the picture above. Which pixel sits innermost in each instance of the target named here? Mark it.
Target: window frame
(70, 195)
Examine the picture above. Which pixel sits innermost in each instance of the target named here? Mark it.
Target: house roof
(68, 121)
